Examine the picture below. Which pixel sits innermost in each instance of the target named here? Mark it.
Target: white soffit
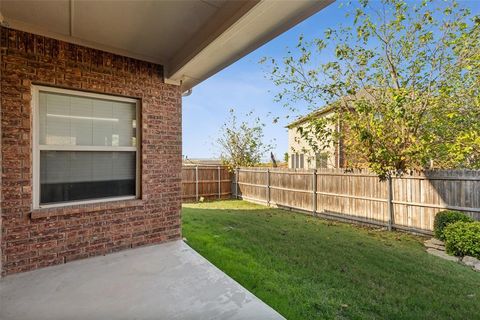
(266, 20)
(192, 39)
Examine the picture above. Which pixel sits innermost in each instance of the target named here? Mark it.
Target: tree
(404, 82)
(241, 142)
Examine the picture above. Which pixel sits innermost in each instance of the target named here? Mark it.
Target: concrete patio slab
(167, 281)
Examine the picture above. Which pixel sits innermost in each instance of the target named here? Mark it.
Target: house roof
(316, 113)
(364, 93)
(192, 39)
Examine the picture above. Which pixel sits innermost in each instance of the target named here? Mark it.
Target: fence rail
(409, 202)
(209, 182)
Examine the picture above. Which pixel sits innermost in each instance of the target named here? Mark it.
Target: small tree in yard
(241, 142)
(405, 82)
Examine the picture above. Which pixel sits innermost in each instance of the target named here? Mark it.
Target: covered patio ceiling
(192, 39)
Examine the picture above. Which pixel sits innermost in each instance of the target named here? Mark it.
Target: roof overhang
(192, 39)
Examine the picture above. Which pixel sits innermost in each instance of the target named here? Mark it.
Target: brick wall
(33, 239)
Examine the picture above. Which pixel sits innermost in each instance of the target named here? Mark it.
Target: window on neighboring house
(85, 147)
(322, 160)
(297, 161)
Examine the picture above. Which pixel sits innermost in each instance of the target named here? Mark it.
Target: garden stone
(477, 267)
(435, 244)
(470, 261)
(442, 254)
(436, 241)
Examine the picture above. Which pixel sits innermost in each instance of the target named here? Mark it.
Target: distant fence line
(207, 181)
(409, 202)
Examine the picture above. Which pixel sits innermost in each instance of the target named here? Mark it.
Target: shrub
(463, 238)
(444, 218)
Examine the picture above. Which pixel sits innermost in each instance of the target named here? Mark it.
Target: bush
(444, 218)
(463, 239)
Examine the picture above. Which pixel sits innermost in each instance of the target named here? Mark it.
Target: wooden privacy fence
(209, 182)
(409, 202)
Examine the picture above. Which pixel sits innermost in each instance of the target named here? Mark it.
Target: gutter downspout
(187, 93)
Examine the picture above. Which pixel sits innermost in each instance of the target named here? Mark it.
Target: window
(322, 160)
(85, 147)
(297, 161)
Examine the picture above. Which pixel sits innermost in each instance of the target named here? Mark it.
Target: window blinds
(82, 121)
(80, 142)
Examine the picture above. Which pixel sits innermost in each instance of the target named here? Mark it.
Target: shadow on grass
(231, 204)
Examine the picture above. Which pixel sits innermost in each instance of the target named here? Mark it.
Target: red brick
(47, 237)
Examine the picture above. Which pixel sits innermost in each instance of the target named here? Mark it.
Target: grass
(309, 268)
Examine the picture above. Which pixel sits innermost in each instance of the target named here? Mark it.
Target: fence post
(237, 172)
(196, 183)
(390, 204)
(219, 183)
(268, 187)
(314, 194)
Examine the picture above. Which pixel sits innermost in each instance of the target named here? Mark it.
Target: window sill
(72, 209)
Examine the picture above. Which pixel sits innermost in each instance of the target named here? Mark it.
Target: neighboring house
(302, 156)
(91, 104)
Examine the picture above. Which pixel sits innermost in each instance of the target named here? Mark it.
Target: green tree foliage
(241, 142)
(404, 80)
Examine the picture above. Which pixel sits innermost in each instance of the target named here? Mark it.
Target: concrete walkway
(167, 281)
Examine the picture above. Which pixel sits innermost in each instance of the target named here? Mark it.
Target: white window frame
(36, 89)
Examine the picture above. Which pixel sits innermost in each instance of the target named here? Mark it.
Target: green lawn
(309, 268)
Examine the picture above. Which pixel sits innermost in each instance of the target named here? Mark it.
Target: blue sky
(243, 86)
